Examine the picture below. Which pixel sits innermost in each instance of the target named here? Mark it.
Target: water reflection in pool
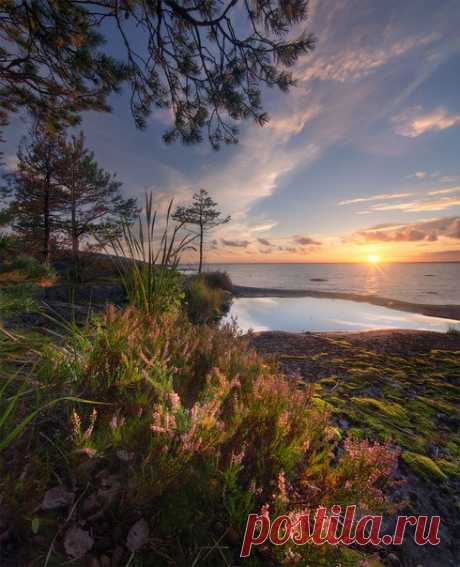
(313, 314)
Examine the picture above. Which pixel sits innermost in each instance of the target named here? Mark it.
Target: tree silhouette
(204, 215)
(35, 191)
(204, 60)
(92, 205)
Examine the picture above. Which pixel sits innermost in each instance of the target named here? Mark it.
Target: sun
(373, 259)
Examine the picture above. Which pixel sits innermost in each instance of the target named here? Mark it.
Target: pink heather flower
(114, 421)
(283, 419)
(292, 556)
(237, 459)
(163, 421)
(92, 421)
(175, 401)
(282, 492)
(76, 424)
(264, 511)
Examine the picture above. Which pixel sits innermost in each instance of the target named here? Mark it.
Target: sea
(429, 283)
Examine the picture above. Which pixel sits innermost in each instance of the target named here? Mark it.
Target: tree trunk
(46, 221)
(73, 221)
(200, 267)
(75, 238)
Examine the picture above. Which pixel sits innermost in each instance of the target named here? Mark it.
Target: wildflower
(283, 419)
(76, 424)
(264, 511)
(92, 421)
(175, 401)
(237, 459)
(292, 557)
(163, 421)
(282, 491)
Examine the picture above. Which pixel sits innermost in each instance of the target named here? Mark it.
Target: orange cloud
(428, 231)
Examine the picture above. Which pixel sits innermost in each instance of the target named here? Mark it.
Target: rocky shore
(402, 386)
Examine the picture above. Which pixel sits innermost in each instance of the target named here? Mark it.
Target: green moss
(389, 409)
(321, 405)
(450, 469)
(423, 466)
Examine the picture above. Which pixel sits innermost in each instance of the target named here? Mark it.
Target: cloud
(292, 249)
(10, 163)
(419, 206)
(292, 123)
(429, 231)
(264, 242)
(418, 175)
(382, 197)
(357, 63)
(445, 191)
(413, 122)
(235, 243)
(306, 241)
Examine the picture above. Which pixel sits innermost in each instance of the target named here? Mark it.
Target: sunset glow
(373, 259)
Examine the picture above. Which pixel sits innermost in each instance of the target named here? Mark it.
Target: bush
(20, 297)
(218, 280)
(194, 432)
(9, 246)
(204, 304)
(29, 268)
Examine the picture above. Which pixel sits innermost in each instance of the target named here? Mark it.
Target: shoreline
(430, 310)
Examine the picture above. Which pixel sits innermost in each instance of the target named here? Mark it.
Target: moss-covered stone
(423, 466)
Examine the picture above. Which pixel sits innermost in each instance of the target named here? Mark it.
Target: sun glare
(373, 259)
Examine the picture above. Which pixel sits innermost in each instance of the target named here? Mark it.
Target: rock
(104, 561)
(77, 542)
(393, 560)
(138, 535)
(57, 497)
(124, 455)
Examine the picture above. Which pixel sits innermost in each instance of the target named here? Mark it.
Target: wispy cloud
(235, 243)
(418, 175)
(419, 206)
(445, 191)
(307, 241)
(357, 63)
(264, 242)
(414, 122)
(381, 197)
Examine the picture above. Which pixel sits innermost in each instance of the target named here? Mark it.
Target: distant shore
(443, 311)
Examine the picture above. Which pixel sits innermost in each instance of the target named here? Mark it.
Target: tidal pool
(314, 314)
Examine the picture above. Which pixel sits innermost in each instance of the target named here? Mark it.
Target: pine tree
(204, 60)
(93, 207)
(35, 193)
(204, 215)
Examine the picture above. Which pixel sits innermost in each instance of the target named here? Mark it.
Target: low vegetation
(163, 435)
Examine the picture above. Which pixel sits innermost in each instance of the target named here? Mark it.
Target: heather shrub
(192, 432)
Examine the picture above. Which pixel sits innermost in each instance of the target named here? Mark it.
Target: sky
(361, 158)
